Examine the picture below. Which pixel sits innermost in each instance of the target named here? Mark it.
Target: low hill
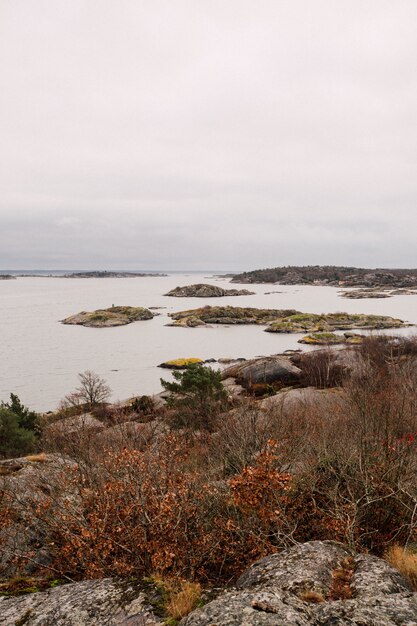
(330, 275)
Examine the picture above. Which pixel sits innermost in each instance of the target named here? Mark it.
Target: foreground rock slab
(88, 603)
(114, 316)
(202, 290)
(297, 587)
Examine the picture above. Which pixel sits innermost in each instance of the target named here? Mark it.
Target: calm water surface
(40, 358)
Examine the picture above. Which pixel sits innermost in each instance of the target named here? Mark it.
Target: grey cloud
(207, 134)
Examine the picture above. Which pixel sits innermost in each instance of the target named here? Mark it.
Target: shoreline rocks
(376, 292)
(114, 316)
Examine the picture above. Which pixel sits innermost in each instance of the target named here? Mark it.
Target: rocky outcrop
(228, 315)
(301, 586)
(88, 603)
(264, 371)
(114, 316)
(7, 277)
(75, 424)
(137, 435)
(206, 291)
(319, 583)
(290, 401)
(21, 482)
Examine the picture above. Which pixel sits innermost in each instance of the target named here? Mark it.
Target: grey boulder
(295, 588)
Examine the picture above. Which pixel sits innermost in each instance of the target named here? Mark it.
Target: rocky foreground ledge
(315, 583)
(201, 290)
(114, 316)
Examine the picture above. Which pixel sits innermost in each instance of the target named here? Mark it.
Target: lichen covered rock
(298, 587)
(87, 603)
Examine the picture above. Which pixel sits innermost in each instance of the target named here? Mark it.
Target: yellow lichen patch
(180, 363)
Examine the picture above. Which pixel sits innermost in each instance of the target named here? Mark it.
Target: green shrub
(198, 396)
(17, 428)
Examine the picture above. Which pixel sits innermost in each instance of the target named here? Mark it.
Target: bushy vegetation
(18, 428)
(203, 501)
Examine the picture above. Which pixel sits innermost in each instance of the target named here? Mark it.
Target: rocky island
(315, 323)
(105, 274)
(114, 316)
(330, 275)
(227, 315)
(206, 291)
(283, 320)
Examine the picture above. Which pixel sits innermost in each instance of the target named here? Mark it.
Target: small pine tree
(18, 428)
(198, 396)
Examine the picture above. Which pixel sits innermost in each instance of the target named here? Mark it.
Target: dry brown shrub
(341, 577)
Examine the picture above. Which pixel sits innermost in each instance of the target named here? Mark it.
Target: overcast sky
(207, 134)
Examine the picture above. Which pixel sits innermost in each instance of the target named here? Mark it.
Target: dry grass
(405, 561)
(313, 597)
(37, 458)
(183, 599)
